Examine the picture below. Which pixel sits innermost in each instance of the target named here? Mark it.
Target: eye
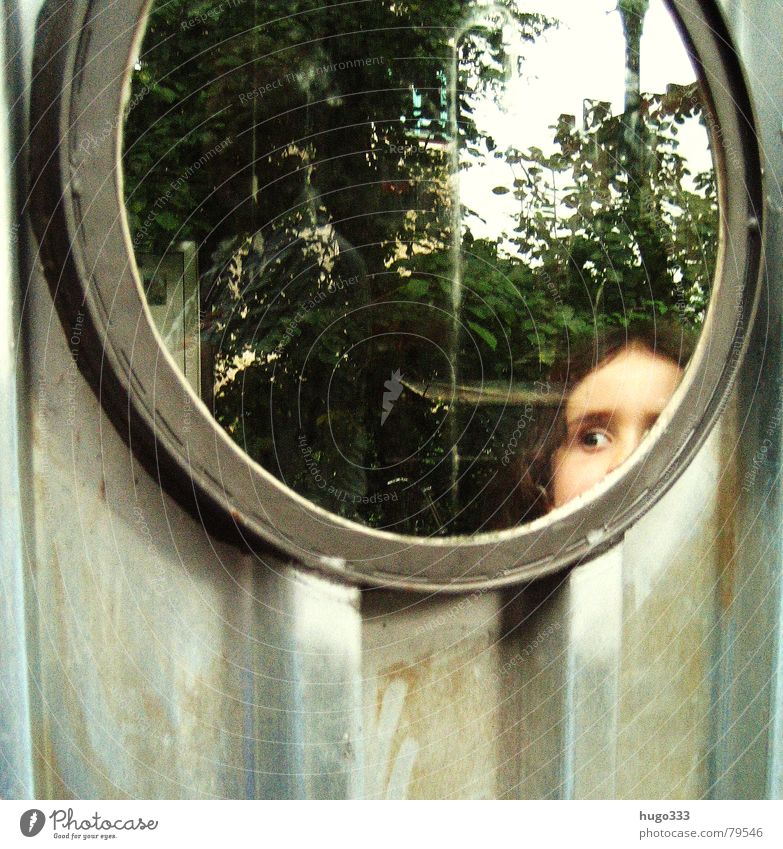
(594, 439)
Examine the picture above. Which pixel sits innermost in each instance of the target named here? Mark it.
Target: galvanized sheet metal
(748, 689)
(164, 663)
(596, 684)
(16, 775)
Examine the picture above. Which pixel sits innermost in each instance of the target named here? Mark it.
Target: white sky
(583, 58)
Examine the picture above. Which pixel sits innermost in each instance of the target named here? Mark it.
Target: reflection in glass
(405, 220)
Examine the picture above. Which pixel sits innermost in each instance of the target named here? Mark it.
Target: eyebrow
(597, 419)
(601, 418)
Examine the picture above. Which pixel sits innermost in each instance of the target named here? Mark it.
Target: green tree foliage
(617, 247)
(309, 152)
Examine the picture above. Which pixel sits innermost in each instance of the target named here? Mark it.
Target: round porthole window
(432, 296)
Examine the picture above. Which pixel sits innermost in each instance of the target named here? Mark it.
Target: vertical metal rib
(16, 774)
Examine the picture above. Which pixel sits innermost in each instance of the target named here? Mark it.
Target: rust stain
(153, 708)
(411, 673)
(446, 715)
(726, 537)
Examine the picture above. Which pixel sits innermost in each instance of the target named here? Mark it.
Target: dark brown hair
(521, 491)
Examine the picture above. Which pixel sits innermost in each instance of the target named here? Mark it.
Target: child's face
(607, 415)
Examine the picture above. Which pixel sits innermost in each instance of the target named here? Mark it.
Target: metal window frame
(82, 66)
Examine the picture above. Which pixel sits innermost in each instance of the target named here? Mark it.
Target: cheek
(575, 472)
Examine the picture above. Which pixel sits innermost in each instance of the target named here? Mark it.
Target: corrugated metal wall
(162, 663)
(597, 684)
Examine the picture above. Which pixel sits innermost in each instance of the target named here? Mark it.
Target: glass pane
(422, 245)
